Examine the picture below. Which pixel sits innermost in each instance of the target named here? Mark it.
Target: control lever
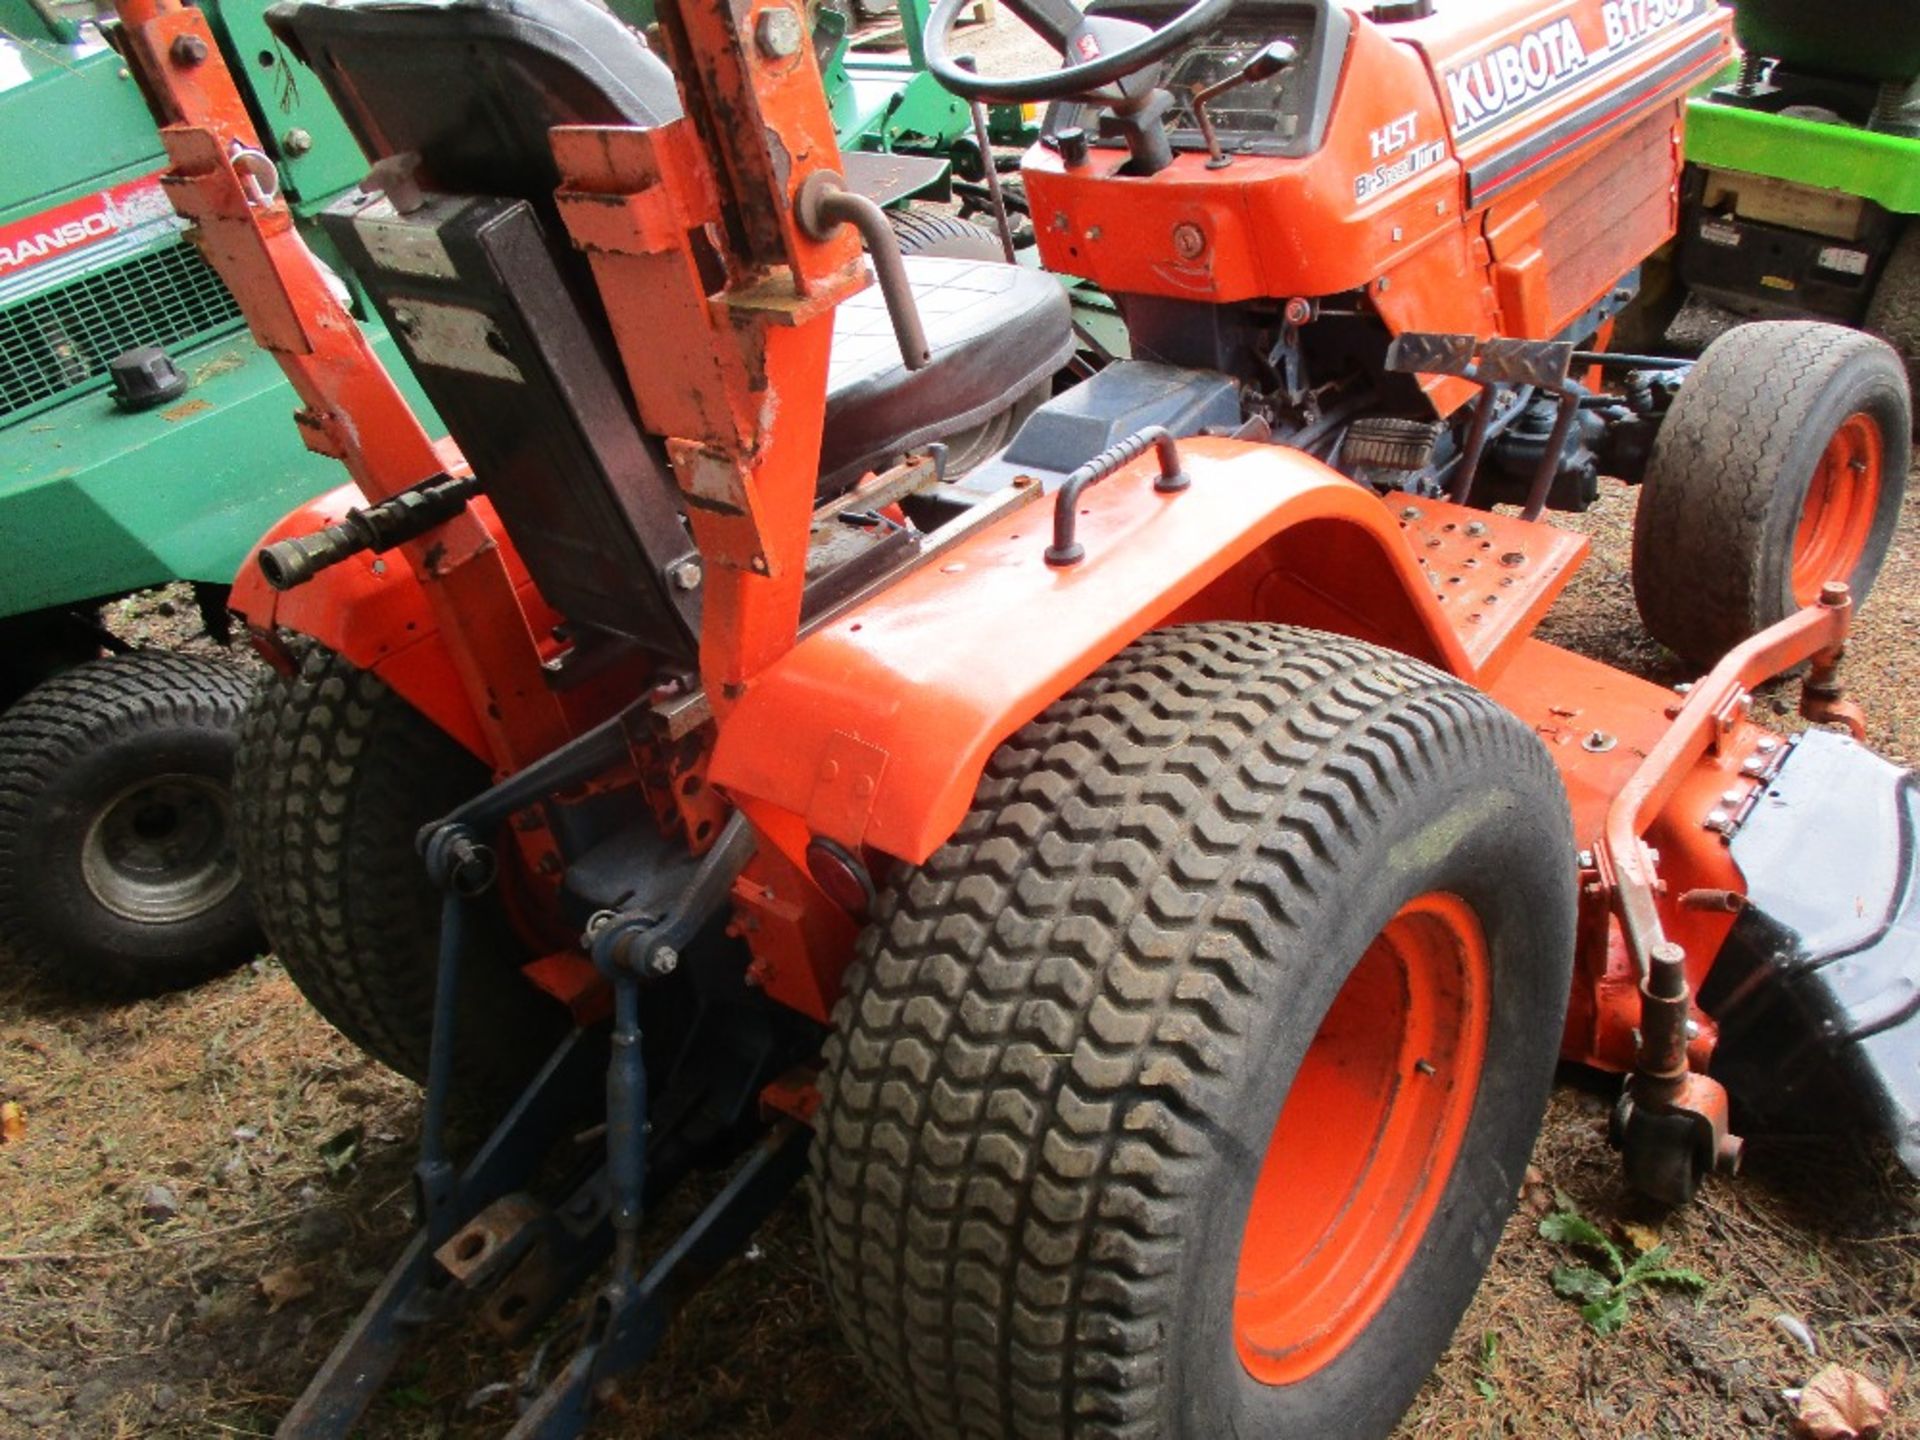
(983, 138)
(1267, 62)
(823, 205)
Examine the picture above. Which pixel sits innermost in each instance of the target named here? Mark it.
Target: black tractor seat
(997, 332)
(503, 324)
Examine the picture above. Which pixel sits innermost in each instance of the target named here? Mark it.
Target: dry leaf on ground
(285, 1285)
(1842, 1404)
(1641, 1237)
(13, 1123)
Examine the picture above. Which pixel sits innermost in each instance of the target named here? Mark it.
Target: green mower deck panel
(178, 492)
(1883, 168)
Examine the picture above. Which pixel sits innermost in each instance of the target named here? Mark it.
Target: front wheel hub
(1842, 503)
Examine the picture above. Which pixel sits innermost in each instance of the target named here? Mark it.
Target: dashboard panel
(1285, 115)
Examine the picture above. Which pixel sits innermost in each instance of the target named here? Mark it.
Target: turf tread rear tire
(53, 728)
(336, 774)
(1019, 1096)
(1713, 534)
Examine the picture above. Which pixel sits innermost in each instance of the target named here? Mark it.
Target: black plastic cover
(145, 377)
(1121, 400)
(1817, 991)
(1873, 40)
(527, 380)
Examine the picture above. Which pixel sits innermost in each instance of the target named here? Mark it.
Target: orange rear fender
(875, 729)
(373, 611)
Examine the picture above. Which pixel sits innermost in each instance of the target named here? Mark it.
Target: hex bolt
(1719, 820)
(296, 142)
(1189, 240)
(187, 50)
(1585, 859)
(1476, 528)
(664, 960)
(687, 575)
(778, 33)
(1767, 745)
(1410, 513)
(1754, 764)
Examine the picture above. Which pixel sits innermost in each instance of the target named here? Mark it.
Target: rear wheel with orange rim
(1781, 467)
(1185, 1092)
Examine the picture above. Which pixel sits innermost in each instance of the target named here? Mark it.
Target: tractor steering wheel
(1083, 39)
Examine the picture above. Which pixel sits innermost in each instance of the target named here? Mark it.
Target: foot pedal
(1389, 452)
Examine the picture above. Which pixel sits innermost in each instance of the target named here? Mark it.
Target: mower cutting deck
(1150, 879)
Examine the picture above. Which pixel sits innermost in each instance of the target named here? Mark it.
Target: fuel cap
(145, 377)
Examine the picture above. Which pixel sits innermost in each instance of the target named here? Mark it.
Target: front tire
(1185, 1092)
(118, 876)
(1781, 466)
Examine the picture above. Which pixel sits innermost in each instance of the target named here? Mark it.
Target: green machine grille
(62, 339)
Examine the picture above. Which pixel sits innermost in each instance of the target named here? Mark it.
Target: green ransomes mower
(143, 441)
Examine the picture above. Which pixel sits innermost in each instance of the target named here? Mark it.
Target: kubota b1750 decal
(1514, 75)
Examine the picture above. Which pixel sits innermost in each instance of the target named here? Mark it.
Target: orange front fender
(875, 729)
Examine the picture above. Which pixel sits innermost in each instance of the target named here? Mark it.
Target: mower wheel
(336, 774)
(946, 237)
(1185, 1091)
(118, 875)
(1894, 311)
(1781, 466)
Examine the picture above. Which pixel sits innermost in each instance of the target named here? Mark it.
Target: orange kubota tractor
(1151, 874)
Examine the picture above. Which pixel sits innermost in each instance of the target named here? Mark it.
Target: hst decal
(1397, 138)
(1511, 77)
